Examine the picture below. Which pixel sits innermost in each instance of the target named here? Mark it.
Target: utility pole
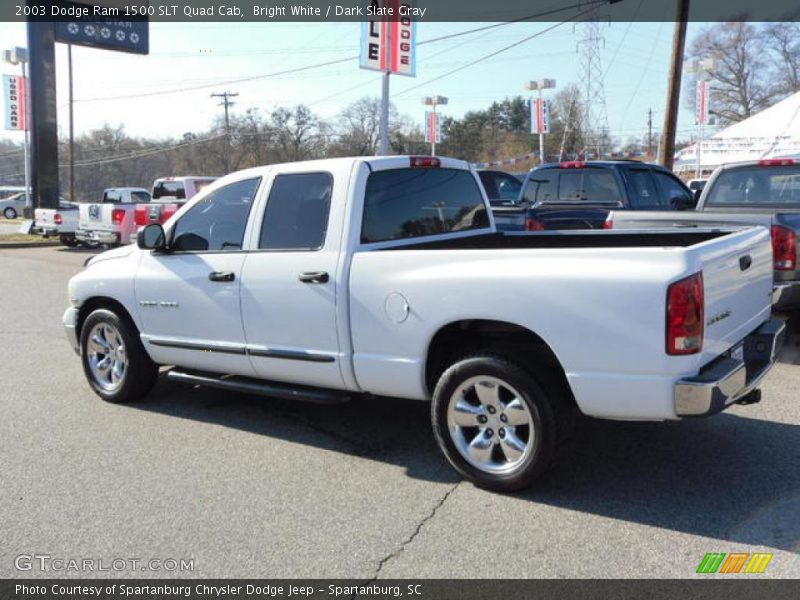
(649, 132)
(227, 103)
(667, 145)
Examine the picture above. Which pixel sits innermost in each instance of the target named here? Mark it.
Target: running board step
(247, 385)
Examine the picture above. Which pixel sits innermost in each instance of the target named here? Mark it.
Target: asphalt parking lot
(251, 487)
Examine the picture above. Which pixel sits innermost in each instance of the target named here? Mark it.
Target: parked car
(61, 222)
(13, 206)
(764, 192)
(579, 195)
(501, 188)
(111, 221)
(385, 276)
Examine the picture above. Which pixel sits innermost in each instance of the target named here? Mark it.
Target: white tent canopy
(773, 132)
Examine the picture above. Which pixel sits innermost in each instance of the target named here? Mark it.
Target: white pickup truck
(112, 221)
(61, 222)
(385, 276)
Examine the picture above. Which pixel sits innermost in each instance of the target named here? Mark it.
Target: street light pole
(542, 84)
(434, 101)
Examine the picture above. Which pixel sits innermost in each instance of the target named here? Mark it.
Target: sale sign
(540, 116)
(433, 129)
(15, 99)
(388, 37)
(701, 103)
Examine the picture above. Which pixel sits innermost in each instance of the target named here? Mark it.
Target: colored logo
(735, 562)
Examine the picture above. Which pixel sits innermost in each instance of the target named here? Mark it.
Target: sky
(122, 89)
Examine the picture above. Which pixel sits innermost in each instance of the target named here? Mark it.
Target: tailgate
(43, 216)
(96, 217)
(509, 218)
(737, 280)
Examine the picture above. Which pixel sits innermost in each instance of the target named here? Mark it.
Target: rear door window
(296, 216)
(410, 203)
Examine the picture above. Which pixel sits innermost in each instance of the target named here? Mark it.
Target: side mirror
(684, 202)
(151, 237)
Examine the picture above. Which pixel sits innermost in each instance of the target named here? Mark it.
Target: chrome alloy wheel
(490, 424)
(107, 359)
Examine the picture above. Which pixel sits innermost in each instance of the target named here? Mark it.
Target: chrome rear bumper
(102, 237)
(726, 379)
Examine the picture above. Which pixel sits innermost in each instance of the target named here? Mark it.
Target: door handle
(314, 277)
(221, 276)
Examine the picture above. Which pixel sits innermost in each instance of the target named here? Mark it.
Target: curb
(28, 244)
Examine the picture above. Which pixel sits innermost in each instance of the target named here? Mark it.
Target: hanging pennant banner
(388, 38)
(15, 99)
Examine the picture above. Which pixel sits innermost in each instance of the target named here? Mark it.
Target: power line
(593, 4)
(495, 53)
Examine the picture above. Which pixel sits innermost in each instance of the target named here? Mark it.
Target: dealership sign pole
(388, 44)
(15, 93)
(701, 119)
(78, 24)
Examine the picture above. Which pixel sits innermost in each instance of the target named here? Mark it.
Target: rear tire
(68, 241)
(494, 422)
(114, 360)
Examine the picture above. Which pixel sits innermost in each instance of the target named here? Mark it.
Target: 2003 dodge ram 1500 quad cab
(385, 276)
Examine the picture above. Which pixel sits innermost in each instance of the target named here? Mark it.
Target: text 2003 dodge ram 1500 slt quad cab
(385, 276)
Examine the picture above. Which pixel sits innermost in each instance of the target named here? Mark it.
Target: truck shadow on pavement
(729, 477)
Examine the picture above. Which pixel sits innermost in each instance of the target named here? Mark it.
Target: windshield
(761, 185)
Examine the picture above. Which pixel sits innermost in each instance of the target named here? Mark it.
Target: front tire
(494, 422)
(68, 241)
(10, 213)
(115, 363)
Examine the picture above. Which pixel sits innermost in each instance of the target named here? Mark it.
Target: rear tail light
(140, 214)
(776, 162)
(533, 225)
(685, 315)
(572, 164)
(784, 248)
(425, 162)
(167, 211)
(609, 222)
(117, 216)
(58, 219)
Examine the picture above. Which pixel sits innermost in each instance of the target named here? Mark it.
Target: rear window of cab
(419, 202)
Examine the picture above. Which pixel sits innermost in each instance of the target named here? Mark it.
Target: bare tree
(783, 40)
(741, 78)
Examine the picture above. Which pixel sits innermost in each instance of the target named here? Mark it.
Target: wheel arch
(106, 302)
(515, 342)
